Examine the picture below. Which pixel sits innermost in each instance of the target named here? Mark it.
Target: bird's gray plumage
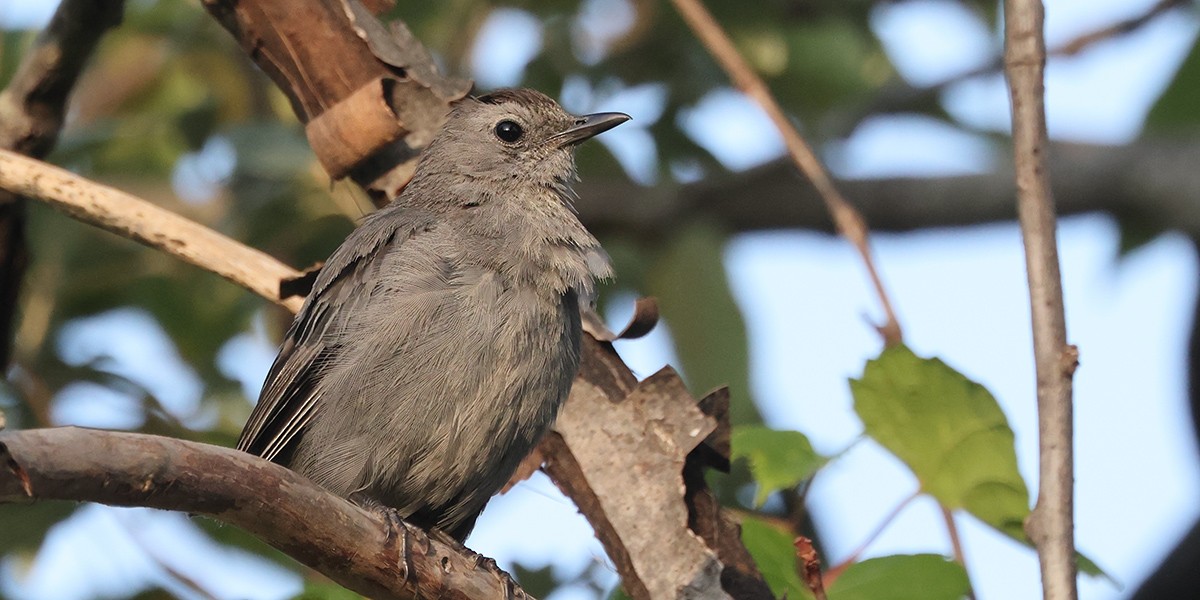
(440, 338)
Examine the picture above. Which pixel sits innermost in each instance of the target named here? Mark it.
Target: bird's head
(511, 138)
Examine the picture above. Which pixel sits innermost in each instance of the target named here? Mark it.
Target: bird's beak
(588, 126)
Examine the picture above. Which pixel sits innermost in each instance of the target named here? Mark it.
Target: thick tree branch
(1152, 181)
(1050, 526)
(148, 224)
(363, 551)
(370, 96)
(31, 115)
(649, 430)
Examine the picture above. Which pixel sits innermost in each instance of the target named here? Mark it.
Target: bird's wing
(346, 283)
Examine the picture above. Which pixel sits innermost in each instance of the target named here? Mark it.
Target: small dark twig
(32, 109)
(1073, 46)
(956, 546)
(1119, 28)
(899, 96)
(810, 566)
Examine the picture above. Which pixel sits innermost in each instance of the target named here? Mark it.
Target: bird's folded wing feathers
(347, 281)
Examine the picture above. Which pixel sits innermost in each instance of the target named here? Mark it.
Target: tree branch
(363, 551)
(370, 95)
(146, 223)
(1050, 526)
(649, 430)
(329, 100)
(575, 457)
(31, 115)
(1152, 181)
(899, 96)
(849, 222)
(34, 103)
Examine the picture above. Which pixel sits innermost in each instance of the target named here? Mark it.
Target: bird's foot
(511, 590)
(396, 530)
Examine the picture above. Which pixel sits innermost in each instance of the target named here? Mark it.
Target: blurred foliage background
(113, 334)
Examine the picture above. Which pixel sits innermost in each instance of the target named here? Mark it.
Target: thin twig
(847, 219)
(1079, 44)
(952, 530)
(146, 223)
(899, 96)
(34, 391)
(1050, 525)
(956, 548)
(153, 555)
(1071, 47)
(837, 569)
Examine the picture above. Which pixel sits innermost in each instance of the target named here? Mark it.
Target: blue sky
(960, 295)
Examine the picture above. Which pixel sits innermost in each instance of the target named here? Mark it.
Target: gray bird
(440, 338)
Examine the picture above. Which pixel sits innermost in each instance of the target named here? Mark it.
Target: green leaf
(1136, 228)
(25, 525)
(854, 67)
(325, 590)
(539, 582)
(618, 593)
(778, 459)
(949, 430)
(709, 334)
(153, 592)
(237, 537)
(951, 433)
(1089, 567)
(1176, 107)
(902, 577)
(13, 44)
(775, 556)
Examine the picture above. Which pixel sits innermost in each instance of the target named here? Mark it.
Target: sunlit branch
(139, 220)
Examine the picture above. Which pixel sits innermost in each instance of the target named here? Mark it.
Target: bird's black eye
(509, 131)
